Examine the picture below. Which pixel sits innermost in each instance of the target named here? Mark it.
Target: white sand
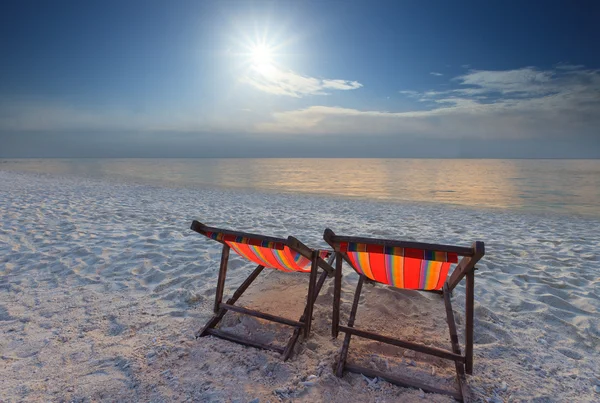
(102, 287)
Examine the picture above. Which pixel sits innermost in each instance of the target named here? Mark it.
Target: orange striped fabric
(275, 255)
(281, 259)
(414, 269)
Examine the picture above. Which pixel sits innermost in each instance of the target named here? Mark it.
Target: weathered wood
(344, 353)
(297, 246)
(337, 291)
(262, 315)
(460, 369)
(466, 265)
(469, 305)
(289, 347)
(401, 380)
(246, 342)
(327, 236)
(292, 342)
(451, 322)
(311, 291)
(221, 280)
(203, 229)
(438, 352)
(236, 295)
(335, 240)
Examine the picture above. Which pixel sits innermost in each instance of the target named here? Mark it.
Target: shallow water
(556, 186)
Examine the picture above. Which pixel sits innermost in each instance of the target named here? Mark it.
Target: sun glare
(261, 57)
(262, 54)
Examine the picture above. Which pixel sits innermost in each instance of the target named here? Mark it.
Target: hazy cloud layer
(540, 112)
(51, 117)
(276, 81)
(522, 103)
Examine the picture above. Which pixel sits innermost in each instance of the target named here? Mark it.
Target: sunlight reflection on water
(567, 186)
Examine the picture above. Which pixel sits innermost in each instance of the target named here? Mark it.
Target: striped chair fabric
(414, 269)
(275, 255)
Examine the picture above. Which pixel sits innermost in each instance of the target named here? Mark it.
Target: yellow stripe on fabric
(433, 274)
(258, 252)
(365, 265)
(282, 257)
(397, 265)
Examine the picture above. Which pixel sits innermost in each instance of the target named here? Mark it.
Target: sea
(566, 187)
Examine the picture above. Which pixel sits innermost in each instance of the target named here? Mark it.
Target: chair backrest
(271, 252)
(410, 268)
(275, 255)
(409, 265)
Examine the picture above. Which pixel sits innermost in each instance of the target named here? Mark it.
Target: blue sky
(279, 79)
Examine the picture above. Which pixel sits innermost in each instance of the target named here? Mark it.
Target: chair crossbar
(438, 352)
(331, 238)
(244, 341)
(262, 315)
(400, 380)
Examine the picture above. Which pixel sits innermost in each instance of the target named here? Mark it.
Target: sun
(262, 59)
(261, 54)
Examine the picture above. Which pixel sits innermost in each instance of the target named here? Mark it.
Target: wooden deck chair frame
(221, 308)
(465, 268)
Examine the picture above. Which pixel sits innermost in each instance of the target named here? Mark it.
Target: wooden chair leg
(344, 352)
(470, 302)
(236, 295)
(311, 293)
(460, 368)
(221, 280)
(292, 341)
(337, 291)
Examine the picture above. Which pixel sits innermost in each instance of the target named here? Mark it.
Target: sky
(422, 79)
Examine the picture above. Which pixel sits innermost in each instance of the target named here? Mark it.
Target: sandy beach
(103, 285)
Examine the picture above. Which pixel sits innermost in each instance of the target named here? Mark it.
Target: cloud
(526, 80)
(519, 103)
(558, 103)
(409, 93)
(54, 116)
(568, 66)
(274, 80)
(48, 115)
(433, 73)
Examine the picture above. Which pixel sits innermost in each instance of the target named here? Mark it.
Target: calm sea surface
(561, 186)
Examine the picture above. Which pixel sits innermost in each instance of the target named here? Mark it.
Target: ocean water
(555, 186)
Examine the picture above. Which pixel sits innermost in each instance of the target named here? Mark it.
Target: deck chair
(408, 265)
(288, 255)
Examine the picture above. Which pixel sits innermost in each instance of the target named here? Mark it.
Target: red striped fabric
(284, 259)
(408, 268)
